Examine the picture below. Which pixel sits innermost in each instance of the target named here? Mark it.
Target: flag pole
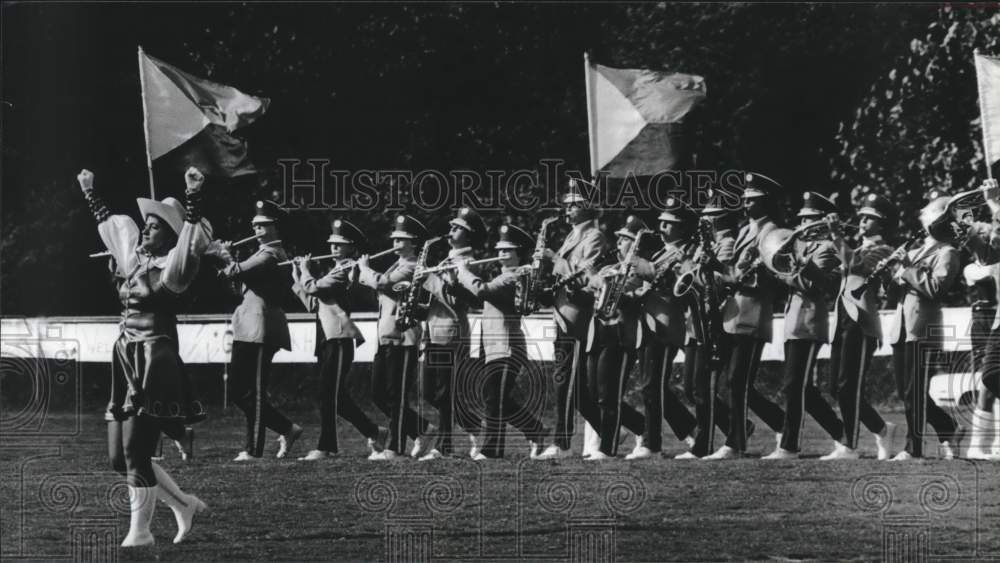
(982, 116)
(145, 125)
(590, 116)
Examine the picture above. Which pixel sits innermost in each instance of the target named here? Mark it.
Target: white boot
(591, 440)
(142, 501)
(996, 427)
(183, 505)
(981, 425)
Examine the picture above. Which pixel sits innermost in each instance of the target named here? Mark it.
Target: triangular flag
(988, 76)
(635, 118)
(183, 110)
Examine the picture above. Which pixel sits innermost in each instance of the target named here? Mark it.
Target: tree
(918, 127)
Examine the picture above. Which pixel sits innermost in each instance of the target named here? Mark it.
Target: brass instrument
(707, 299)
(959, 205)
(104, 254)
(609, 298)
(531, 282)
(414, 305)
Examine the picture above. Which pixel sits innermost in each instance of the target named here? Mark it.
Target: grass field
(59, 500)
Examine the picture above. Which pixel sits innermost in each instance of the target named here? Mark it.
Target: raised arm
(118, 232)
(183, 260)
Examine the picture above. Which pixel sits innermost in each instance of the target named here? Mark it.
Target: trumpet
(104, 254)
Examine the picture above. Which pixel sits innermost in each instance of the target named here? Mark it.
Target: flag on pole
(635, 118)
(191, 119)
(988, 77)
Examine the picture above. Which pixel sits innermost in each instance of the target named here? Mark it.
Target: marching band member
(395, 363)
(330, 297)
(148, 387)
(807, 330)
(710, 410)
(573, 308)
(747, 318)
(984, 241)
(260, 329)
(858, 330)
(502, 346)
(179, 433)
(665, 331)
(612, 342)
(925, 275)
(446, 342)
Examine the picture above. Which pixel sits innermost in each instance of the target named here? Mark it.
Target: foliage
(442, 86)
(918, 127)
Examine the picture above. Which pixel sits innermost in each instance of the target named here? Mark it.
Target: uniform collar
(580, 227)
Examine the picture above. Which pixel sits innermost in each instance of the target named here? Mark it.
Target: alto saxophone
(531, 282)
(414, 306)
(610, 296)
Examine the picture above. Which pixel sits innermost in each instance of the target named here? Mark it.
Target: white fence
(207, 339)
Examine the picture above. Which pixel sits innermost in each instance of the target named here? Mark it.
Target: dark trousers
(448, 374)
(502, 408)
(802, 395)
(251, 367)
(335, 359)
(741, 372)
(608, 369)
(657, 362)
(131, 443)
(393, 371)
(571, 389)
(710, 410)
(991, 363)
(850, 358)
(912, 363)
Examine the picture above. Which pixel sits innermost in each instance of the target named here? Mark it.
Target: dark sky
(387, 86)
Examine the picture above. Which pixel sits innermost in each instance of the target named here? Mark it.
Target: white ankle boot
(142, 501)
(591, 440)
(981, 425)
(183, 505)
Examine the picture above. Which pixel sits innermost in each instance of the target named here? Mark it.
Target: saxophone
(609, 298)
(531, 282)
(414, 307)
(711, 314)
